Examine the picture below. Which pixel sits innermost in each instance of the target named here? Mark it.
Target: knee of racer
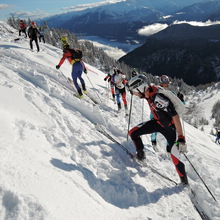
(170, 145)
(131, 133)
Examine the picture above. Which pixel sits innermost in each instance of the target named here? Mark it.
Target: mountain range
(181, 51)
(209, 10)
(119, 20)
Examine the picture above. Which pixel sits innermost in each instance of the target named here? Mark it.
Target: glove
(57, 67)
(105, 78)
(181, 144)
(85, 71)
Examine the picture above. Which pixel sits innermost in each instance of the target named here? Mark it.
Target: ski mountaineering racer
(78, 67)
(32, 34)
(112, 85)
(23, 28)
(166, 121)
(119, 80)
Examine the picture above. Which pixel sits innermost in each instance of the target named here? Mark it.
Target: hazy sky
(39, 8)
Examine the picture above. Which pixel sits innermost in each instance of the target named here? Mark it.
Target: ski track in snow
(56, 165)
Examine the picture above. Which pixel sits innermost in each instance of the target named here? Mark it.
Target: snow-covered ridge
(92, 5)
(5, 28)
(56, 165)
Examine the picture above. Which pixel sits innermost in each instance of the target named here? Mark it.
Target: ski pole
(129, 119)
(67, 79)
(107, 90)
(200, 177)
(63, 74)
(92, 71)
(94, 88)
(142, 110)
(196, 170)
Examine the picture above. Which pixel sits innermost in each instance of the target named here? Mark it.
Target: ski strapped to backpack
(179, 106)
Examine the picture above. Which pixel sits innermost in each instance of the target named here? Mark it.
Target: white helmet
(138, 84)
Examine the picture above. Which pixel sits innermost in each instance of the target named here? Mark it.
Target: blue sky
(38, 8)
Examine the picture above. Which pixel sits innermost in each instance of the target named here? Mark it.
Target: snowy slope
(55, 165)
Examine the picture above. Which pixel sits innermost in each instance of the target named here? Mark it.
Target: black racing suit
(163, 110)
(32, 33)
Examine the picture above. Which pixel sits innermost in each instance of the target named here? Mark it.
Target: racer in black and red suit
(166, 121)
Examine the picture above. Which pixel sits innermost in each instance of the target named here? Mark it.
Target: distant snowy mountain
(119, 21)
(203, 11)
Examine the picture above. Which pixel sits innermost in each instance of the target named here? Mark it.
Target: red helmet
(32, 23)
(164, 81)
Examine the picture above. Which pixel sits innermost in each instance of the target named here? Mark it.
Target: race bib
(160, 102)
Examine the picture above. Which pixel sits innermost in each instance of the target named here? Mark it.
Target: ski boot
(80, 95)
(119, 107)
(154, 143)
(126, 110)
(184, 180)
(113, 98)
(84, 89)
(140, 155)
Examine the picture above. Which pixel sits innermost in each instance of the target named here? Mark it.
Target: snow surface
(55, 165)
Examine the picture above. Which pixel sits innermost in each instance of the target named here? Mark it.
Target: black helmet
(138, 83)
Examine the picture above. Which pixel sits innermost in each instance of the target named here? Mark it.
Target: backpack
(76, 54)
(179, 106)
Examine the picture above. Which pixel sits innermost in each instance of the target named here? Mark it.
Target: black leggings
(42, 38)
(168, 132)
(23, 31)
(31, 43)
(150, 127)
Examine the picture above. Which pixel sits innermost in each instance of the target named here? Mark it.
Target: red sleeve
(62, 59)
(106, 77)
(23, 25)
(124, 81)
